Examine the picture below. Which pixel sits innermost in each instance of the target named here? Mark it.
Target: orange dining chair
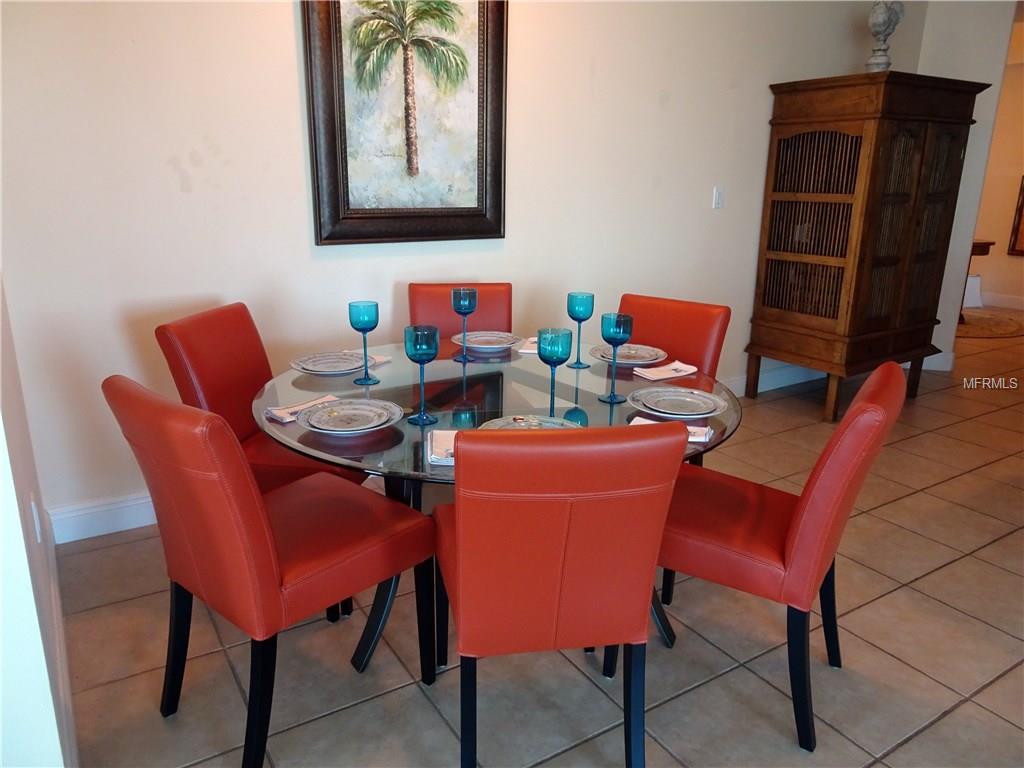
(782, 547)
(261, 560)
(431, 304)
(541, 523)
(688, 331)
(219, 364)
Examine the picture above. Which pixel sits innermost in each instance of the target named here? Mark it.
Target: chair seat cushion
(729, 531)
(273, 465)
(334, 538)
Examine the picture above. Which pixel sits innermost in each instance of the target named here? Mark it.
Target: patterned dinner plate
(329, 363)
(529, 422)
(488, 341)
(350, 417)
(677, 402)
(630, 354)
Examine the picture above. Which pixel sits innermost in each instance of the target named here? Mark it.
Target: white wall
(159, 163)
(1002, 275)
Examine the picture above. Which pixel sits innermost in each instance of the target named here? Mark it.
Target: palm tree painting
(414, 100)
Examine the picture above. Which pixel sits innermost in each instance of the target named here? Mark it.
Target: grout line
(140, 672)
(113, 602)
(974, 696)
(65, 555)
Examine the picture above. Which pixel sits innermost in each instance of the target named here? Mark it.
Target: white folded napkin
(441, 447)
(529, 346)
(697, 434)
(374, 359)
(671, 371)
(285, 414)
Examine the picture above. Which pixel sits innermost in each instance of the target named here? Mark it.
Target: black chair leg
(467, 730)
(440, 617)
(262, 663)
(424, 576)
(179, 626)
(668, 586)
(611, 661)
(334, 613)
(382, 602)
(346, 606)
(589, 649)
(661, 622)
(798, 626)
(633, 666)
(827, 596)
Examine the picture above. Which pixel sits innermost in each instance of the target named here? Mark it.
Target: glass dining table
(462, 396)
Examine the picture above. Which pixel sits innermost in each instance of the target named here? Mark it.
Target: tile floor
(931, 597)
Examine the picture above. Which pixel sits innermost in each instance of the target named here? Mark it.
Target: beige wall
(1002, 275)
(157, 162)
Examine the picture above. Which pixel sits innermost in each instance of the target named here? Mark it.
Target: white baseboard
(940, 362)
(1002, 300)
(72, 522)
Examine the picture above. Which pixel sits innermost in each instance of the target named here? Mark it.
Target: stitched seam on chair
(561, 574)
(191, 374)
(570, 496)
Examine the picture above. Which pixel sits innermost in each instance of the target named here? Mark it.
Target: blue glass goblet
(464, 415)
(615, 330)
(581, 308)
(554, 346)
(421, 347)
(364, 317)
(464, 304)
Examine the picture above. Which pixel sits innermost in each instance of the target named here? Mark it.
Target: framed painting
(406, 119)
(1017, 232)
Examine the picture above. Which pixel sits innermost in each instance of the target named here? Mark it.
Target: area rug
(985, 324)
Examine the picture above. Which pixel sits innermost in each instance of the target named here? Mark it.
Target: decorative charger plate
(529, 422)
(350, 417)
(630, 354)
(329, 363)
(677, 402)
(488, 341)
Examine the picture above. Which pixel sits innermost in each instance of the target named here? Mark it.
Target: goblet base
(461, 358)
(578, 366)
(366, 381)
(612, 399)
(422, 419)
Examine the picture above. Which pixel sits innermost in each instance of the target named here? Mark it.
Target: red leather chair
(779, 546)
(688, 331)
(263, 561)
(431, 304)
(541, 523)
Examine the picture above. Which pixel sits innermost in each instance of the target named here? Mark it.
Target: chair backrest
(836, 480)
(218, 363)
(431, 304)
(213, 525)
(688, 331)
(557, 535)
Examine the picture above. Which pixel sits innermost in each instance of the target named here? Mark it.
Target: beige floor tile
(119, 724)
(768, 420)
(1009, 470)
(968, 737)
(125, 638)
(983, 494)
(529, 706)
(400, 633)
(742, 625)
(231, 759)
(607, 751)
(873, 699)
(919, 416)
(743, 434)
(230, 635)
(1007, 553)
(109, 540)
(813, 437)
(981, 590)
(964, 347)
(949, 401)
(1005, 696)
(314, 675)
(400, 728)
(891, 550)
(876, 490)
(955, 649)
(985, 434)
(856, 585)
(947, 450)
(933, 381)
(670, 671)
(784, 484)
(740, 720)
(102, 576)
(909, 469)
(999, 396)
(772, 455)
(719, 462)
(809, 405)
(1007, 418)
(951, 524)
(901, 431)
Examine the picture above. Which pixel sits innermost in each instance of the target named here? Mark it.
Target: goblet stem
(579, 330)
(366, 359)
(423, 395)
(465, 357)
(551, 408)
(615, 365)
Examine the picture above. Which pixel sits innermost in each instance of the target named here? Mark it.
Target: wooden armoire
(863, 176)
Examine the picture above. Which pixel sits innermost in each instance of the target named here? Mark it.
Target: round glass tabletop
(464, 396)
